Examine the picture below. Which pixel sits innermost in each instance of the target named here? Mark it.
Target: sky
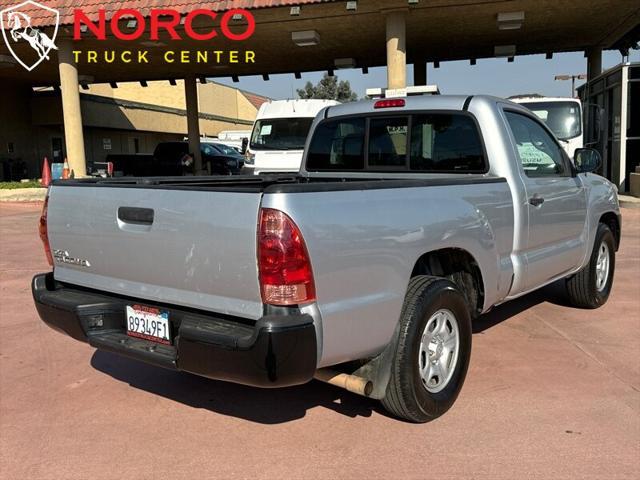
(492, 76)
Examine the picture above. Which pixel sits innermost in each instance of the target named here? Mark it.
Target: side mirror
(587, 160)
(245, 142)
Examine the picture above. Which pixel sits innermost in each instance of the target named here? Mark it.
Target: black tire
(581, 287)
(406, 395)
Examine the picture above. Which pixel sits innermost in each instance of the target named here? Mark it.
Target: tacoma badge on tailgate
(62, 256)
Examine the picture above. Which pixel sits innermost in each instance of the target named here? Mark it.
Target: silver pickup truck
(409, 218)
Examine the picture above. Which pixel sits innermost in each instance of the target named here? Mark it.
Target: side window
(337, 145)
(539, 152)
(443, 142)
(208, 150)
(388, 143)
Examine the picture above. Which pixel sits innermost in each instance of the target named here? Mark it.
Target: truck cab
(563, 116)
(279, 134)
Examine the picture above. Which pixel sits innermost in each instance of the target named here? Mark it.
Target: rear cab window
(435, 142)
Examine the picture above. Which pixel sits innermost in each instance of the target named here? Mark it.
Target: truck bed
(281, 183)
(198, 246)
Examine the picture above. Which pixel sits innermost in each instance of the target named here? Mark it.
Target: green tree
(329, 88)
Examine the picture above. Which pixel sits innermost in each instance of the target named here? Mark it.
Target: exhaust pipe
(352, 383)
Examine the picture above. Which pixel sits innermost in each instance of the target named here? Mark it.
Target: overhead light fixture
(436, 64)
(510, 59)
(86, 79)
(413, 2)
(83, 28)
(504, 50)
(298, 75)
(235, 78)
(237, 17)
(306, 38)
(510, 20)
(549, 55)
(294, 12)
(331, 73)
(265, 77)
(84, 85)
(132, 23)
(472, 61)
(203, 80)
(352, 6)
(340, 63)
(7, 61)
(151, 43)
(143, 83)
(172, 81)
(113, 84)
(365, 70)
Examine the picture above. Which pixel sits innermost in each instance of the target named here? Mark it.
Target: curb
(23, 195)
(627, 201)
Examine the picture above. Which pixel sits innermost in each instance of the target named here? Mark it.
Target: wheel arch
(612, 220)
(459, 266)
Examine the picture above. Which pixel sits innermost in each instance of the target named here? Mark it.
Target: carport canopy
(436, 30)
(361, 34)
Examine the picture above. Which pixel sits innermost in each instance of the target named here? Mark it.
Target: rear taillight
(42, 227)
(283, 261)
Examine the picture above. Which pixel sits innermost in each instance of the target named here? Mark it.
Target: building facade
(130, 118)
(617, 130)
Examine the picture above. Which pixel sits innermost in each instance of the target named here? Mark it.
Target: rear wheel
(591, 286)
(432, 351)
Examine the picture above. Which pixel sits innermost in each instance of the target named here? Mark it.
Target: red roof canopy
(255, 99)
(43, 18)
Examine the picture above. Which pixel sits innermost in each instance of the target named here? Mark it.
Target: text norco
(164, 20)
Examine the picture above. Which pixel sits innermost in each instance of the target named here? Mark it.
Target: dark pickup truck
(174, 159)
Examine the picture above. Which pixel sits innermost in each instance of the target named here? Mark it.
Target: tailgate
(198, 251)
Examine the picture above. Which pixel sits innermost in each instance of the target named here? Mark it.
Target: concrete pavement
(552, 392)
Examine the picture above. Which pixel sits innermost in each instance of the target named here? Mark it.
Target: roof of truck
(417, 102)
(522, 99)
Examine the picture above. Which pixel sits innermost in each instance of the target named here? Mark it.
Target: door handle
(536, 201)
(136, 216)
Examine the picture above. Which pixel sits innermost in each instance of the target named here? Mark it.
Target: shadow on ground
(554, 293)
(266, 406)
(273, 406)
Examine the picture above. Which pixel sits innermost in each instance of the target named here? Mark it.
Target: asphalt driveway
(552, 392)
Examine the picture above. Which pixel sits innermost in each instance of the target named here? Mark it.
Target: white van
(563, 116)
(279, 134)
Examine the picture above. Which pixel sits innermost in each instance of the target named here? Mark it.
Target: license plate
(148, 323)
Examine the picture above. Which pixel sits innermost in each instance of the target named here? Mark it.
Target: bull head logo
(16, 29)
